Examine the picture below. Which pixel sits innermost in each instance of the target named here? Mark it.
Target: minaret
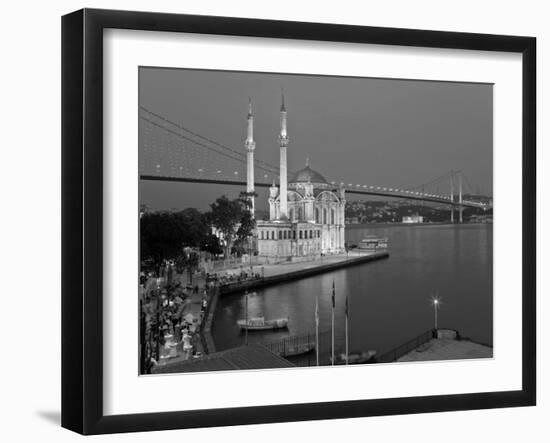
(250, 145)
(283, 144)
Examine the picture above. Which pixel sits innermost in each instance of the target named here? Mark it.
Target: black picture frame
(82, 218)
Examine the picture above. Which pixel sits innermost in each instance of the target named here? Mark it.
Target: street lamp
(436, 302)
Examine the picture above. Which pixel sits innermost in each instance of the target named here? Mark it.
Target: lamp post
(436, 302)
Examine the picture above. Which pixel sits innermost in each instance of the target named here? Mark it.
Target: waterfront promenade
(327, 260)
(270, 274)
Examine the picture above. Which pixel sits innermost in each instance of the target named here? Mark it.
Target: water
(389, 300)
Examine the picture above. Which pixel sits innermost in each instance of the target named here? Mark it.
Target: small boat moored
(260, 323)
(357, 358)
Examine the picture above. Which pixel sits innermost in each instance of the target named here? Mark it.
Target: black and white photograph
(269, 221)
(293, 220)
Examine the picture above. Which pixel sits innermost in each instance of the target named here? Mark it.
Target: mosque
(306, 213)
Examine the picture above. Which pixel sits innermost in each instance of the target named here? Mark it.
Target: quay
(437, 344)
(273, 274)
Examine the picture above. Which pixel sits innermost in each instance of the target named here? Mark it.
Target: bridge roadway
(371, 190)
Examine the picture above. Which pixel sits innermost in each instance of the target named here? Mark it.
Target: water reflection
(388, 299)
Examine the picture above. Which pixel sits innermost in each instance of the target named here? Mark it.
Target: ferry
(373, 243)
(260, 323)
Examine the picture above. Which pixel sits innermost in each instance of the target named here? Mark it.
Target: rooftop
(245, 357)
(308, 175)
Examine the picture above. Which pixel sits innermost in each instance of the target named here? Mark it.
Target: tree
(225, 216)
(161, 237)
(211, 244)
(194, 225)
(188, 260)
(165, 234)
(247, 222)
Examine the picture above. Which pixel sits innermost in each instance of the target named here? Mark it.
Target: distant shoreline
(367, 225)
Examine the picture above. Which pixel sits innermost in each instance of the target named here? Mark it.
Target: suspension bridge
(172, 152)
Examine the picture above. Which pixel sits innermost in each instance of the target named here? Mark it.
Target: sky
(384, 132)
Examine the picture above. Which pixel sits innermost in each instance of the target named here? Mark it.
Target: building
(306, 213)
(413, 219)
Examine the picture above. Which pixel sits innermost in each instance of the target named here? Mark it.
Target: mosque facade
(306, 213)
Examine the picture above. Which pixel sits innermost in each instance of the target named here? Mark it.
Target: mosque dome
(308, 175)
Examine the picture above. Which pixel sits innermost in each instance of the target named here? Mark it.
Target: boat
(260, 323)
(356, 358)
(293, 350)
(290, 350)
(290, 347)
(372, 243)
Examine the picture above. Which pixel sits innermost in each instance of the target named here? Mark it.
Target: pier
(278, 273)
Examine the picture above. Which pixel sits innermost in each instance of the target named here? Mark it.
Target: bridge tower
(452, 198)
(283, 144)
(250, 146)
(460, 208)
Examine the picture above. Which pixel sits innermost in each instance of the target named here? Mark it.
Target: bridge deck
(374, 192)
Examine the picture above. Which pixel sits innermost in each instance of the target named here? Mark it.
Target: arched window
(291, 214)
(280, 235)
(272, 235)
(301, 234)
(294, 235)
(310, 234)
(324, 216)
(300, 213)
(332, 216)
(317, 215)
